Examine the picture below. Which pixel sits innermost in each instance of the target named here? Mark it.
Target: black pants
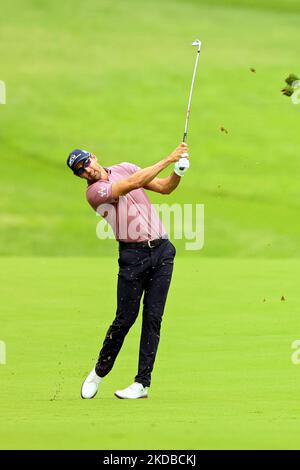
(141, 270)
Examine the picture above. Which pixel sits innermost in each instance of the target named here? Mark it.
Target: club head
(197, 43)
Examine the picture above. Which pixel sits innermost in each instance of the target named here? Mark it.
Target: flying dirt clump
(292, 82)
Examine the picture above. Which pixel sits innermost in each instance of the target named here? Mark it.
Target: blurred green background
(114, 77)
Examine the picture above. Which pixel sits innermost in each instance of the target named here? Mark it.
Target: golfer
(145, 256)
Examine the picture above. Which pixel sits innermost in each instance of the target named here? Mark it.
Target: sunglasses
(80, 170)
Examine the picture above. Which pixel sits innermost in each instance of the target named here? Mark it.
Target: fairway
(223, 377)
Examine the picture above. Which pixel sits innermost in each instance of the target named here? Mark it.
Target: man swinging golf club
(145, 256)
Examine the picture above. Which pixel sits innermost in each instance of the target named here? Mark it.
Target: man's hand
(180, 158)
(182, 166)
(178, 152)
(144, 177)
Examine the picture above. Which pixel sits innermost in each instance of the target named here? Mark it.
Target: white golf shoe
(90, 385)
(134, 390)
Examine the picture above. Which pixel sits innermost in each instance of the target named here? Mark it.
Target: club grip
(184, 155)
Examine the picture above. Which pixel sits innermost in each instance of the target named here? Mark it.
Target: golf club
(197, 43)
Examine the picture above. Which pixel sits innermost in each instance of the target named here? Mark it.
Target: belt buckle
(149, 244)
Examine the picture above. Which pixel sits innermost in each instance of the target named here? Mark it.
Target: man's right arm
(142, 177)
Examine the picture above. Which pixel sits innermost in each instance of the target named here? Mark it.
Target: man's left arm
(164, 185)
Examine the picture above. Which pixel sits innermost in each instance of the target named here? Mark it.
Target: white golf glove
(182, 166)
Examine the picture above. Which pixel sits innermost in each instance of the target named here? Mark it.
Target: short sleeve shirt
(131, 216)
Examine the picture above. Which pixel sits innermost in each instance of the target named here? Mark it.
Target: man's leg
(130, 290)
(156, 291)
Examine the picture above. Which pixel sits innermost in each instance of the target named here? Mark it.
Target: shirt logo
(102, 192)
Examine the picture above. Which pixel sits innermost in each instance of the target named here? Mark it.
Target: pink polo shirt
(132, 216)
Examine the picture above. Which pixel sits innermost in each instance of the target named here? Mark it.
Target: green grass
(113, 77)
(223, 376)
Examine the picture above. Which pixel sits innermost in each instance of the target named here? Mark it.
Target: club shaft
(190, 98)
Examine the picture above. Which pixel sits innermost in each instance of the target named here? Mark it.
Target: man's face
(92, 171)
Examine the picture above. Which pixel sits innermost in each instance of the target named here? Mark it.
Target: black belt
(147, 244)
